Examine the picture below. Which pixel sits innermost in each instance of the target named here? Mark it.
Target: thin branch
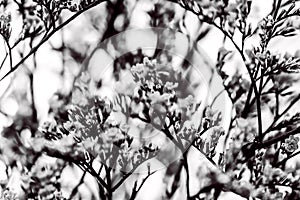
(100, 169)
(278, 138)
(9, 54)
(176, 180)
(78, 160)
(186, 167)
(282, 162)
(259, 119)
(248, 103)
(109, 183)
(288, 3)
(136, 189)
(258, 103)
(167, 132)
(121, 181)
(216, 97)
(3, 61)
(292, 103)
(125, 176)
(33, 108)
(75, 189)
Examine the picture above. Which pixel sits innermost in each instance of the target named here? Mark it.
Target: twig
(33, 108)
(278, 138)
(186, 167)
(292, 103)
(3, 61)
(282, 162)
(125, 176)
(78, 160)
(136, 189)
(176, 180)
(9, 54)
(31, 80)
(100, 169)
(258, 103)
(75, 189)
(109, 183)
(251, 77)
(216, 97)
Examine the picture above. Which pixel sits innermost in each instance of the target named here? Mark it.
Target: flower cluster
(98, 131)
(42, 15)
(209, 145)
(213, 9)
(65, 4)
(5, 28)
(290, 144)
(59, 5)
(274, 63)
(43, 180)
(101, 135)
(271, 180)
(265, 193)
(211, 124)
(157, 97)
(232, 15)
(159, 100)
(211, 118)
(188, 132)
(265, 30)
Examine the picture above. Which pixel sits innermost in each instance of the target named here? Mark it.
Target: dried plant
(96, 133)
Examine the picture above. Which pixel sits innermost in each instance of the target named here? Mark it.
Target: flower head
(290, 144)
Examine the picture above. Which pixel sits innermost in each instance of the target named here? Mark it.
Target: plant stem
(186, 167)
(136, 189)
(282, 162)
(278, 138)
(109, 184)
(277, 117)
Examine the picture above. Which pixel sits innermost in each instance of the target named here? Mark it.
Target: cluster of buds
(65, 4)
